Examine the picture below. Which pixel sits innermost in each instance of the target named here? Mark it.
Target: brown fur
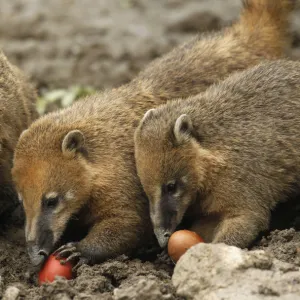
(17, 111)
(232, 153)
(96, 163)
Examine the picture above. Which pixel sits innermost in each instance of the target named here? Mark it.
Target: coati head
(172, 167)
(52, 183)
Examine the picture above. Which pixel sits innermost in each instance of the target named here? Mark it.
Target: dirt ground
(122, 278)
(104, 44)
(17, 279)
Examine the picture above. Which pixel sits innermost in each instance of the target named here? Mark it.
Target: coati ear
(22, 133)
(148, 115)
(73, 142)
(182, 129)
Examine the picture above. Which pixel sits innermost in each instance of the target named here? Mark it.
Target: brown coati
(17, 111)
(225, 157)
(79, 162)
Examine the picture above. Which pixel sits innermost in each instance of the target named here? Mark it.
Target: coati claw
(68, 252)
(73, 256)
(82, 261)
(63, 247)
(164, 254)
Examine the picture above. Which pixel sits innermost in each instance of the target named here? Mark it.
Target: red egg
(180, 241)
(52, 268)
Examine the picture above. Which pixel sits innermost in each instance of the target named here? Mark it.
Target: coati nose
(36, 255)
(167, 234)
(162, 236)
(43, 252)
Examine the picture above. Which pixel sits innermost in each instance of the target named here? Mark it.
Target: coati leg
(240, 230)
(205, 226)
(106, 239)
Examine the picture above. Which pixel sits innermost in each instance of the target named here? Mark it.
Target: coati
(230, 153)
(78, 163)
(17, 111)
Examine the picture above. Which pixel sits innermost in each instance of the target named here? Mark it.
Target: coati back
(78, 163)
(17, 111)
(228, 155)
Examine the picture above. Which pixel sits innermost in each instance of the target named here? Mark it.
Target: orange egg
(180, 241)
(52, 268)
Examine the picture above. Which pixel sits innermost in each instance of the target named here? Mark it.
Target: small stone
(11, 293)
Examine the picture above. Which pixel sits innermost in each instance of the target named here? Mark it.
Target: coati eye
(50, 202)
(171, 188)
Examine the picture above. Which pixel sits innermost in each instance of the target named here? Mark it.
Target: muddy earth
(102, 44)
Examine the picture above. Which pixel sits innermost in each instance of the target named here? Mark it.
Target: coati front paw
(70, 252)
(164, 255)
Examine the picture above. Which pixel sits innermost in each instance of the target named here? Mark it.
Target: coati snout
(164, 215)
(39, 232)
(38, 251)
(167, 212)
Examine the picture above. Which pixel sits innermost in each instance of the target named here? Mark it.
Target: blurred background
(72, 47)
